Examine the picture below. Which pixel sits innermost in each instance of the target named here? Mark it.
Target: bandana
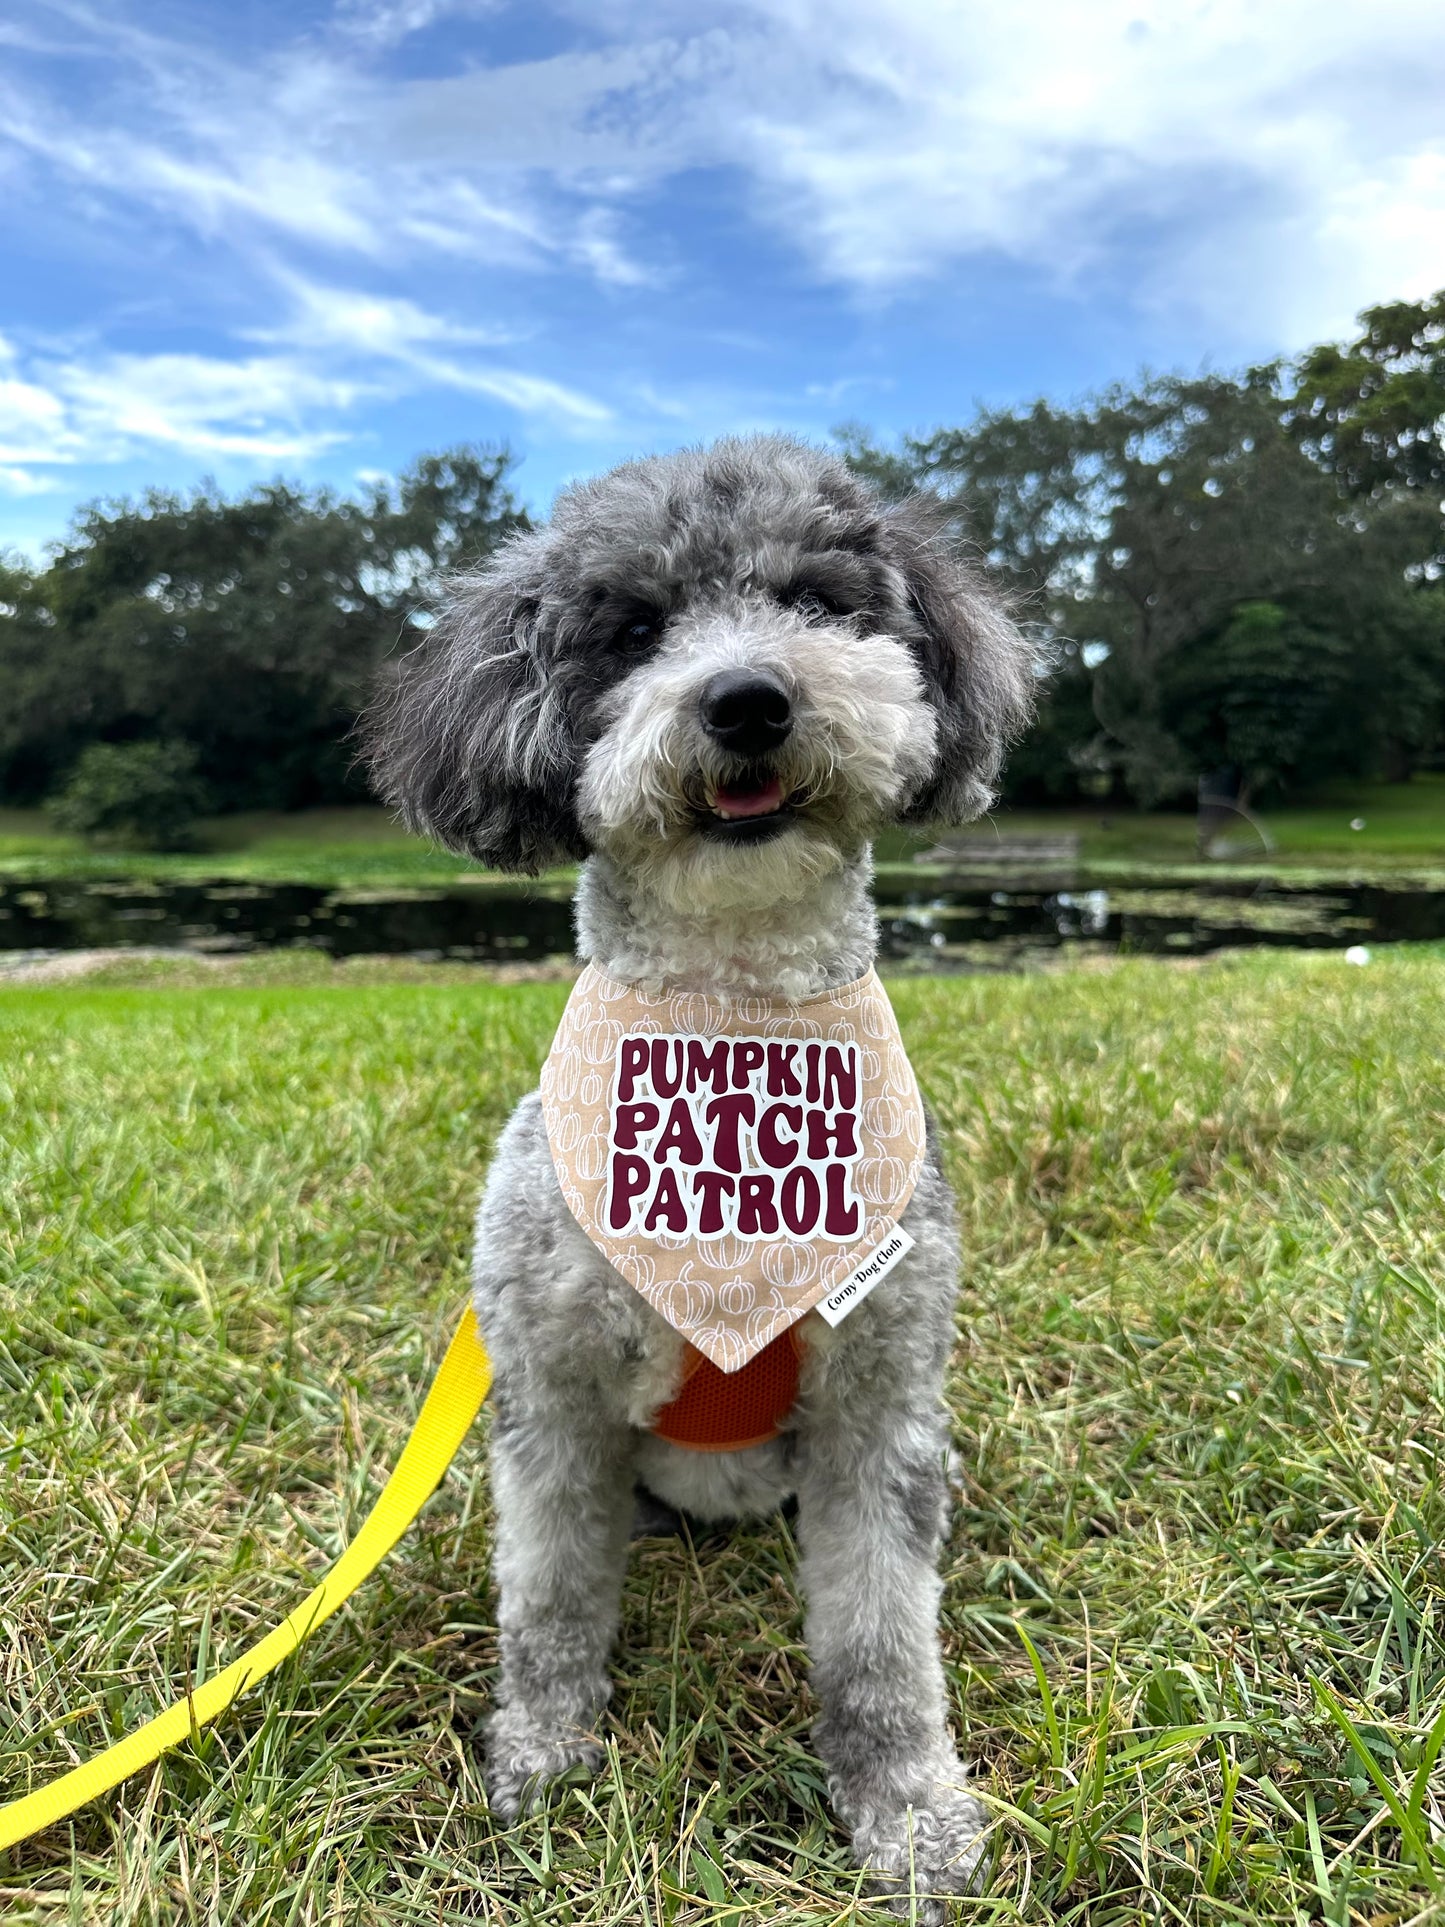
(738, 1161)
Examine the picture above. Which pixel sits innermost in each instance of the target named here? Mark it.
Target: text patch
(747, 1137)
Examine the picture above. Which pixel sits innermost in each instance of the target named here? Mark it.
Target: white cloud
(1296, 149)
(398, 331)
(834, 392)
(24, 481)
(1264, 167)
(367, 323)
(104, 408)
(307, 146)
(341, 348)
(33, 423)
(1260, 171)
(204, 405)
(382, 23)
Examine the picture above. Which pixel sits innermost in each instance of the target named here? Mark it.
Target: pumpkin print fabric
(736, 1160)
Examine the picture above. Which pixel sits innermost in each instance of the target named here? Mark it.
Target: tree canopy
(246, 628)
(1239, 578)
(1238, 575)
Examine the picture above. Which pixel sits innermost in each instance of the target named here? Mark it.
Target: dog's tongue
(750, 802)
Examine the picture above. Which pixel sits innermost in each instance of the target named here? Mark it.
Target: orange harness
(726, 1411)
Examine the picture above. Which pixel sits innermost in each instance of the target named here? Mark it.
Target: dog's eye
(637, 634)
(812, 604)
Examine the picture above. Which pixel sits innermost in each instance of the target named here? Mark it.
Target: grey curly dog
(714, 676)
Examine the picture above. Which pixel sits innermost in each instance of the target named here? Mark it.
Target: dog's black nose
(746, 710)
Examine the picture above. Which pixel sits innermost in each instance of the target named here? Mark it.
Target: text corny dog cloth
(739, 1161)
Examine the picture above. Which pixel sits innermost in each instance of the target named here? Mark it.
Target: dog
(714, 677)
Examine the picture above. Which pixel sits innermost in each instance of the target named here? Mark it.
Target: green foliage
(1193, 1610)
(1373, 412)
(249, 629)
(1292, 695)
(1264, 694)
(141, 796)
(1146, 529)
(1142, 531)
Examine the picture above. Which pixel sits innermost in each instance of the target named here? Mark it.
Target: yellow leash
(454, 1400)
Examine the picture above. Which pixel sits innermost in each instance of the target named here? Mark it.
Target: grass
(1193, 1604)
(1404, 831)
(349, 848)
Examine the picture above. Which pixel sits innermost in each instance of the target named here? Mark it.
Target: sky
(316, 239)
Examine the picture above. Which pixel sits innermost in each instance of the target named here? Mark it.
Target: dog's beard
(668, 823)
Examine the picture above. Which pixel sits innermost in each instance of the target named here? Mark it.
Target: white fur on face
(863, 737)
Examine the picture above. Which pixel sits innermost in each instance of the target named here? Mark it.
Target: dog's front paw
(523, 1760)
(916, 1858)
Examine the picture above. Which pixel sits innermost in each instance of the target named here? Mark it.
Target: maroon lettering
(782, 1079)
(629, 1180)
(712, 1187)
(633, 1118)
(745, 1134)
(666, 1203)
(840, 1219)
(725, 1114)
(747, 1057)
(666, 1079)
(634, 1063)
(801, 1199)
(839, 1135)
(756, 1212)
(777, 1152)
(707, 1066)
(679, 1134)
(840, 1076)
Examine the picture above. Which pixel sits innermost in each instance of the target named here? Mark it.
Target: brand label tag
(856, 1287)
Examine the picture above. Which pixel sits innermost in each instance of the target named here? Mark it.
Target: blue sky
(316, 239)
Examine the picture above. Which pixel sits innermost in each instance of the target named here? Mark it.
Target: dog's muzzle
(748, 713)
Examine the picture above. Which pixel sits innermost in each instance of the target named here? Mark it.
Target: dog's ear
(978, 668)
(469, 734)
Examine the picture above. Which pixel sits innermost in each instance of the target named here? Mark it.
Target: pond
(997, 925)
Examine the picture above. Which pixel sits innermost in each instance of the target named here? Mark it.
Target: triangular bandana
(736, 1160)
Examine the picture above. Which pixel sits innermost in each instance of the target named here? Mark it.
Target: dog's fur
(553, 712)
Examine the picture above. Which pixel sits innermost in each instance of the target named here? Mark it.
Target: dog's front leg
(871, 1508)
(563, 1492)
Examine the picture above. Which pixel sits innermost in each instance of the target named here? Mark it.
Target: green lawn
(1404, 830)
(1198, 1393)
(354, 848)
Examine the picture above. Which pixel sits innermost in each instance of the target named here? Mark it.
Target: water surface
(974, 925)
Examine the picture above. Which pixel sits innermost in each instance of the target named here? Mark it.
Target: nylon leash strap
(455, 1398)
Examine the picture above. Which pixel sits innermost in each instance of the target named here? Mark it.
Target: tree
(143, 795)
(246, 628)
(1372, 413)
(1129, 528)
(1184, 547)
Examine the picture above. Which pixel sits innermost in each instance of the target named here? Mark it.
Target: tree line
(1238, 579)
(1235, 579)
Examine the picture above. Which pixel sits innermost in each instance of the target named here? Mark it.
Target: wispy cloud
(883, 143)
(108, 406)
(893, 143)
(383, 23)
(25, 481)
(399, 332)
(599, 224)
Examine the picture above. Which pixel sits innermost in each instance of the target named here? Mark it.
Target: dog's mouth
(748, 810)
